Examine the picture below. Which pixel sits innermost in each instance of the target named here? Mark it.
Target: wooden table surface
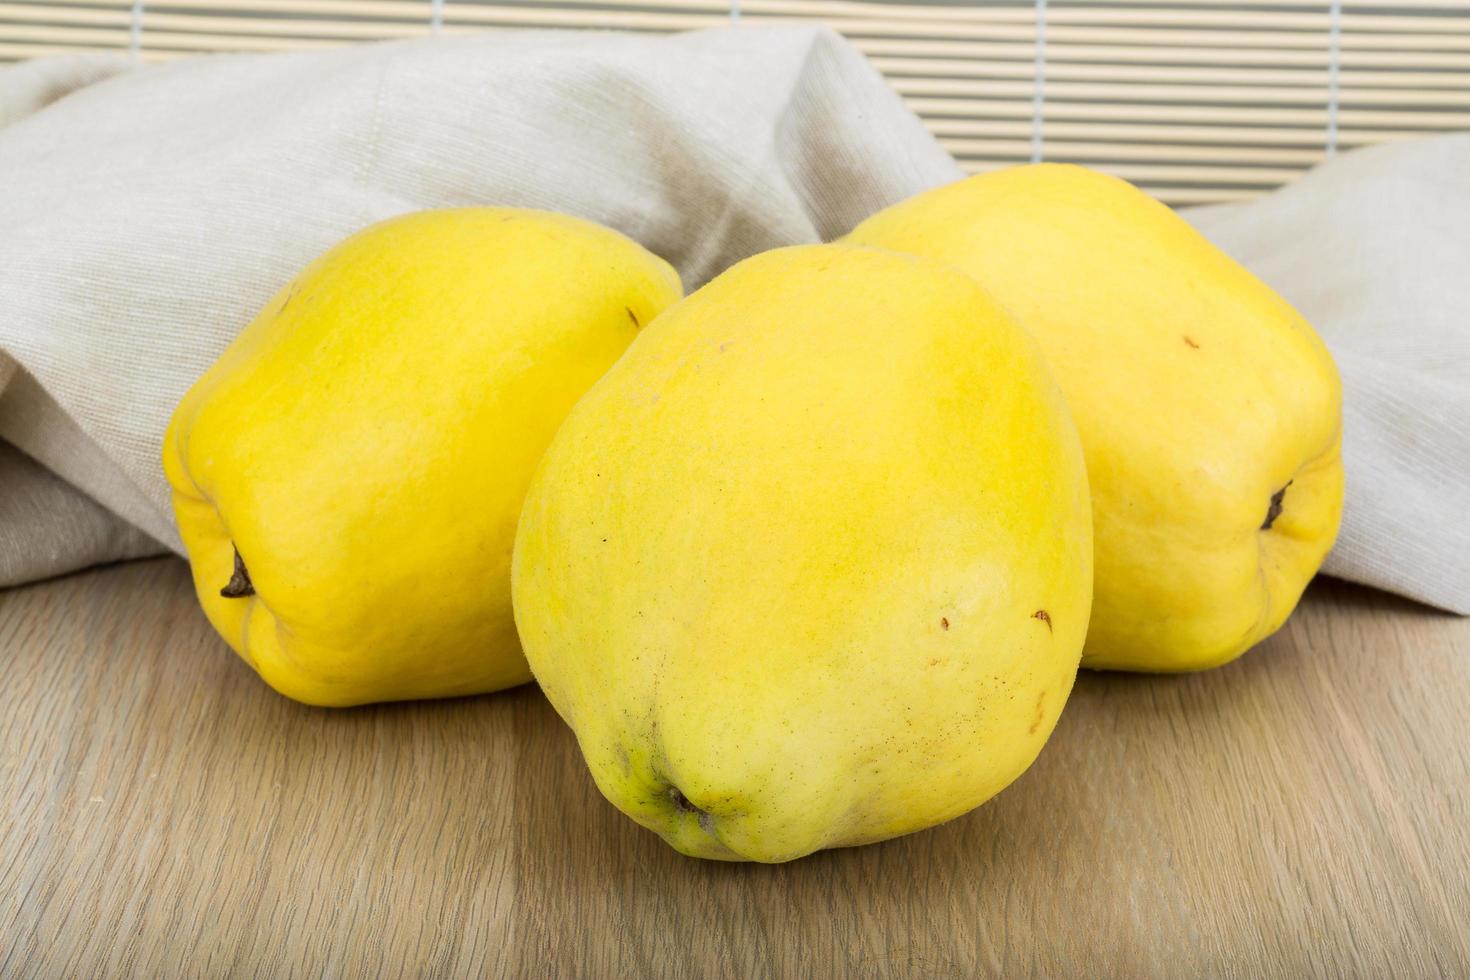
(1305, 810)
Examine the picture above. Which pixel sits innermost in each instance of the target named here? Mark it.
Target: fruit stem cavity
(683, 805)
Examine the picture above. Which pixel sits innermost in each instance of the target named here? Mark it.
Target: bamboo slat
(1196, 100)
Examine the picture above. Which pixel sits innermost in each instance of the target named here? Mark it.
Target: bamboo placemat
(1196, 101)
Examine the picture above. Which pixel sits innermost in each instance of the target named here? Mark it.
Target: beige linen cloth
(146, 213)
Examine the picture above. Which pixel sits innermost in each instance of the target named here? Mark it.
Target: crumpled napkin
(148, 212)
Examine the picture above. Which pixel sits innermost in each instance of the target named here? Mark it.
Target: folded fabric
(147, 215)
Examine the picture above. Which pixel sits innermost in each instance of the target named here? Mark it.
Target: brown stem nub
(1274, 510)
(240, 585)
(683, 805)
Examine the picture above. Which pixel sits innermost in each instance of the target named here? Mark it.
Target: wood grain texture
(1304, 811)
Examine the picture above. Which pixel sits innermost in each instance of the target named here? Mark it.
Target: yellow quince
(348, 475)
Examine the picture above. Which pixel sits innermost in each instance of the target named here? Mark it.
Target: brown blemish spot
(1040, 713)
(943, 623)
(1274, 510)
(1044, 616)
(290, 295)
(1191, 342)
(935, 662)
(239, 585)
(634, 317)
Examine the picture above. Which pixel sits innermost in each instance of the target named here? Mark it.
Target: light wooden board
(1304, 811)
